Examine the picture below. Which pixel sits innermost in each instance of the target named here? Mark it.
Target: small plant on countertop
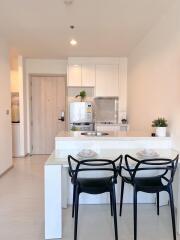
(74, 128)
(124, 121)
(160, 122)
(82, 95)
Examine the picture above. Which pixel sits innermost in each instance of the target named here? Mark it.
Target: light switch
(7, 112)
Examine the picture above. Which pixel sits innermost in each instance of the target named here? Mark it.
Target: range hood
(106, 109)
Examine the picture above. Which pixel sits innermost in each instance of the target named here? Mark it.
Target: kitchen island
(58, 189)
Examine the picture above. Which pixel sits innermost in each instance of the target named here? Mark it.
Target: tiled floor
(22, 211)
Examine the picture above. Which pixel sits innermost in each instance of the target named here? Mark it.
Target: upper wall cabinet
(107, 80)
(74, 75)
(108, 76)
(81, 75)
(88, 75)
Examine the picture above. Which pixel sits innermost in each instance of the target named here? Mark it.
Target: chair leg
(157, 202)
(172, 211)
(135, 213)
(76, 213)
(73, 202)
(111, 204)
(121, 197)
(114, 212)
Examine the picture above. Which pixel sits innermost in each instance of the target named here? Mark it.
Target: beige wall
(46, 66)
(5, 119)
(22, 106)
(14, 81)
(154, 76)
(14, 74)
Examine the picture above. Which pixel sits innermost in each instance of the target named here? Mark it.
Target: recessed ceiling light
(73, 42)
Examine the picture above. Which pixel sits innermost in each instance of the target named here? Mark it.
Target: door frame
(29, 112)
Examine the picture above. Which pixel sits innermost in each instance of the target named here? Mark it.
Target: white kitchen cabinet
(107, 80)
(81, 75)
(88, 75)
(74, 75)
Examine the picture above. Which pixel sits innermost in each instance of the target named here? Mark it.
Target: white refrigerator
(81, 116)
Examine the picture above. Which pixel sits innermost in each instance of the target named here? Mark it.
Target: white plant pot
(161, 131)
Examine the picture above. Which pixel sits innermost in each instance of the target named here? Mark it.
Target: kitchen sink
(98, 134)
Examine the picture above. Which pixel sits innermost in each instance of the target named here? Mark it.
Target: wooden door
(48, 101)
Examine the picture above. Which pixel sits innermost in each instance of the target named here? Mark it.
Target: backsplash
(73, 91)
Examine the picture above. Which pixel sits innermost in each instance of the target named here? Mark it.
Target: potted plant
(73, 128)
(124, 121)
(82, 95)
(160, 124)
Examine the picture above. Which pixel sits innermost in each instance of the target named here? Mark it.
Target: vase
(161, 131)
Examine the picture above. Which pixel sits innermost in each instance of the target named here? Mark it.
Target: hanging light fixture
(73, 41)
(68, 2)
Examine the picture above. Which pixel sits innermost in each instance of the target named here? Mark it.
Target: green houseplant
(160, 124)
(82, 95)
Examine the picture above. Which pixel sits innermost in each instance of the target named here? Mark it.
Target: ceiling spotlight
(73, 42)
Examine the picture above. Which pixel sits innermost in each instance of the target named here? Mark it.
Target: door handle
(61, 119)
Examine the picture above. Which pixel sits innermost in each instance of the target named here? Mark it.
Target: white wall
(14, 73)
(18, 85)
(154, 76)
(5, 105)
(39, 66)
(22, 106)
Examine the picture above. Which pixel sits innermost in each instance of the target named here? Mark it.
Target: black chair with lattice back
(84, 181)
(150, 176)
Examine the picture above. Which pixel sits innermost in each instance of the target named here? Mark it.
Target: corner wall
(154, 76)
(5, 106)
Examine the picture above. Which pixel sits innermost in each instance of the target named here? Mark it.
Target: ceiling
(40, 28)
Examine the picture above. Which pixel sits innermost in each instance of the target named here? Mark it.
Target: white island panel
(73, 142)
(53, 205)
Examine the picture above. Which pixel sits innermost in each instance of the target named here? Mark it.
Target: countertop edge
(114, 138)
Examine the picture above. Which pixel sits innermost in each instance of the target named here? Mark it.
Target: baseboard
(20, 156)
(7, 170)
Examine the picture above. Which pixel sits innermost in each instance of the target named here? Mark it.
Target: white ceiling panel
(40, 28)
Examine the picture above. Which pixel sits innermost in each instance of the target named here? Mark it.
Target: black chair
(93, 185)
(161, 178)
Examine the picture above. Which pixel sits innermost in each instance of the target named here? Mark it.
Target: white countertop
(76, 135)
